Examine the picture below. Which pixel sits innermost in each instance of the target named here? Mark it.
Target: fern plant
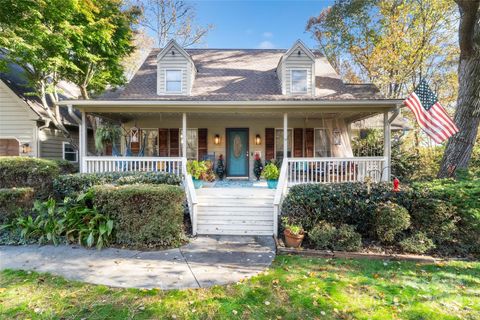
(105, 134)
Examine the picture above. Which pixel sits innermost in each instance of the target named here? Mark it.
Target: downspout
(72, 114)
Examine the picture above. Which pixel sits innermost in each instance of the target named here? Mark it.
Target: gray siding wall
(51, 143)
(295, 61)
(16, 119)
(176, 62)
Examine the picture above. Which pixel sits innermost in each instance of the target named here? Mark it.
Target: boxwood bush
(73, 184)
(327, 236)
(14, 201)
(28, 172)
(144, 214)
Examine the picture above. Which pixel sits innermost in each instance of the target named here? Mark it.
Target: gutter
(231, 103)
(46, 125)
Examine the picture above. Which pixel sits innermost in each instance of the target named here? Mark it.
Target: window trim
(275, 141)
(165, 80)
(291, 80)
(64, 143)
(315, 144)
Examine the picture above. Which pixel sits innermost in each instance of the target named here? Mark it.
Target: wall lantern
(258, 140)
(134, 131)
(216, 139)
(337, 137)
(26, 148)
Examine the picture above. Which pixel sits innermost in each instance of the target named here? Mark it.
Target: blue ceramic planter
(197, 183)
(272, 184)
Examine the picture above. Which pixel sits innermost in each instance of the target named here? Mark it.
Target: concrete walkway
(204, 262)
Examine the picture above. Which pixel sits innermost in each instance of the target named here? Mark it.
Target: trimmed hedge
(326, 236)
(341, 203)
(390, 220)
(36, 173)
(144, 214)
(73, 184)
(14, 201)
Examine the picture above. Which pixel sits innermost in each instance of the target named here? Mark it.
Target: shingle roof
(239, 75)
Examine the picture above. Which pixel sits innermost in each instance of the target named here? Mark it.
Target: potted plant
(293, 233)
(271, 174)
(107, 134)
(257, 166)
(197, 169)
(220, 167)
(209, 176)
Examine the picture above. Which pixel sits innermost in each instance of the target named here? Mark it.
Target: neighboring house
(289, 105)
(25, 128)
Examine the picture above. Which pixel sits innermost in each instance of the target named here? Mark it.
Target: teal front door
(237, 152)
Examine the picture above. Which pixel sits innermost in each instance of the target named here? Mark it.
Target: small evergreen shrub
(326, 236)
(74, 184)
(16, 172)
(144, 214)
(66, 167)
(390, 220)
(417, 243)
(14, 201)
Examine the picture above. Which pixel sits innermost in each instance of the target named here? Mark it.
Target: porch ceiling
(350, 116)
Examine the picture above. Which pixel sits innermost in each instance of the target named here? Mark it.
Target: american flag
(431, 116)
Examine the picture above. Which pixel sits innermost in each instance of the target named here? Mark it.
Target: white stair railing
(137, 164)
(191, 196)
(280, 194)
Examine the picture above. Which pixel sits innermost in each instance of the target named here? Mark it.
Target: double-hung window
(173, 81)
(299, 81)
(279, 143)
(69, 152)
(192, 143)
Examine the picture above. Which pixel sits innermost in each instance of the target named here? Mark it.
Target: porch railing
(334, 170)
(280, 193)
(143, 164)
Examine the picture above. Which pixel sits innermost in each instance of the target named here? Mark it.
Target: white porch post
(184, 135)
(82, 138)
(285, 135)
(387, 150)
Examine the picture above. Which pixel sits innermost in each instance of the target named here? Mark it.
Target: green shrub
(14, 201)
(36, 173)
(437, 218)
(419, 242)
(326, 236)
(270, 171)
(144, 215)
(390, 220)
(74, 184)
(66, 167)
(347, 203)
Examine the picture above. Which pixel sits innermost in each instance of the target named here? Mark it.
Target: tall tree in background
(106, 39)
(391, 43)
(467, 116)
(171, 19)
(36, 36)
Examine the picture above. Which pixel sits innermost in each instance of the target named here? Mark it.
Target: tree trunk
(84, 92)
(459, 148)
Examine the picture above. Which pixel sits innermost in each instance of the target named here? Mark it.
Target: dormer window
(173, 81)
(299, 81)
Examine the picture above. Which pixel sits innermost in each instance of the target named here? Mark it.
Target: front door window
(237, 152)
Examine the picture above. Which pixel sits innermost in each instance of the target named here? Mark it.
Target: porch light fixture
(258, 140)
(337, 137)
(26, 148)
(216, 139)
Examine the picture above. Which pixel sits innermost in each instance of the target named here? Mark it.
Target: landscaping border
(281, 249)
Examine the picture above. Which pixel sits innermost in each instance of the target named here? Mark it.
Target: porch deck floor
(237, 183)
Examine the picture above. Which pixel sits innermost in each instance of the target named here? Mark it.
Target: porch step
(235, 211)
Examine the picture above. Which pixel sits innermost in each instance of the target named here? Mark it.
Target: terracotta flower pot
(293, 240)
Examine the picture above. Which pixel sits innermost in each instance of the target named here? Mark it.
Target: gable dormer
(296, 70)
(175, 70)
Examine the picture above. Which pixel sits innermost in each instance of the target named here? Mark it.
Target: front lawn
(293, 288)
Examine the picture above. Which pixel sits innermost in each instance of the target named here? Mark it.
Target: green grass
(293, 288)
